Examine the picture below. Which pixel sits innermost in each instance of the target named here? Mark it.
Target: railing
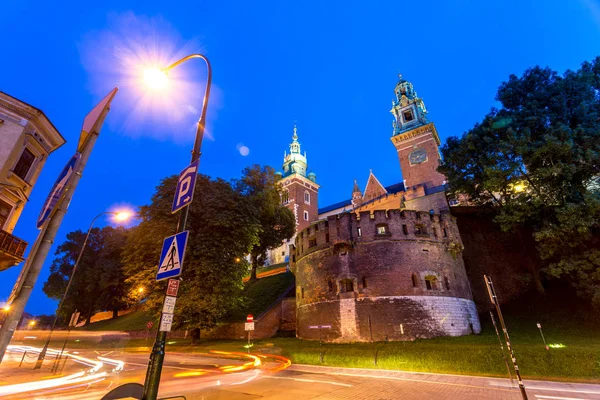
(12, 244)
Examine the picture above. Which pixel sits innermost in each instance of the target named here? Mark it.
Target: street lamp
(157, 79)
(120, 216)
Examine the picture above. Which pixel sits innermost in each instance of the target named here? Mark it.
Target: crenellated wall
(402, 270)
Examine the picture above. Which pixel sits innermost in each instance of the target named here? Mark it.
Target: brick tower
(416, 141)
(299, 193)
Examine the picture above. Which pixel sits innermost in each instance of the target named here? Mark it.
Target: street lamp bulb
(237, 260)
(155, 78)
(519, 187)
(123, 216)
(141, 290)
(31, 323)
(6, 308)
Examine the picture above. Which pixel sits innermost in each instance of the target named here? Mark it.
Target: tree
(536, 162)
(222, 229)
(98, 283)
(277, 222)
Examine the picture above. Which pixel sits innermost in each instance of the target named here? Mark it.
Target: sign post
(494, 300)
(320, 327)
(249, 328)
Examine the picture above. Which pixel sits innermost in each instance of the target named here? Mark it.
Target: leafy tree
(536, 162)
(277, 222)
(222, 229)
(98, 283)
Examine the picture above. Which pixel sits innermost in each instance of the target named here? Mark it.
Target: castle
(388, 259)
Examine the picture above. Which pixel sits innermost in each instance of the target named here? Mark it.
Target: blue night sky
(329, 65)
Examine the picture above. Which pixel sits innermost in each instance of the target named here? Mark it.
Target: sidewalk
(11, 373)
(500, 388)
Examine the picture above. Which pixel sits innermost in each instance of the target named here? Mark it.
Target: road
(199, 376)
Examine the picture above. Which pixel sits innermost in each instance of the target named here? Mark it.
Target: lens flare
(155, 78)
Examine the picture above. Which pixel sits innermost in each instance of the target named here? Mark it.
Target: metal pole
(42, 354)
(543, 338)
(320, 346)
(157, 356)
(494, 300)
(35, 261)
(63, 346)
(501, 347)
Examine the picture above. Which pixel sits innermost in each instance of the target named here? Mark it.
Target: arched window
(306, 197)
(285, 196)
(306, 215)
(431, 282)
(346, 285)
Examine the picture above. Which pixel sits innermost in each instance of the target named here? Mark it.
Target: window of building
(431, 282)
(445, 233)
(447, 283)
(306, 215)
(312, 242)
(316, 227)
(327, 238)
(24, 164)
(359, 231)
(346, 285)
(405, 229)
(330, 284)
(285, 196)
(407, 115)
(415, 280)
(434, 232)
(382, 229)
(283, 253)
(5, 210)
(420, 229)
(302, 292)
(364, 282)
(307, 197)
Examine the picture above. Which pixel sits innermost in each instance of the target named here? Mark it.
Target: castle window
(407, 115)
(447, 282)
(382, 229)
(346, 285)
(316, 227)
(330, 284)
(359, 231)
(312, 242)
(24, 164)
(405, 229)
(302, 292)
(307, 197)
(431, 282)
(420, 230)
(364, 282)
(415, 280)
(306, 215)
(283, 253)
(445, 233)
(327, 238)
(285, 196)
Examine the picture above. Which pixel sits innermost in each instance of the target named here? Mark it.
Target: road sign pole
(494, 300)
(35, 261)
(501, 347)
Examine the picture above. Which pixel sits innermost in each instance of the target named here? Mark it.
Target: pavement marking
(404, 379)
(564, 389)
(558, 398)
(308, 380)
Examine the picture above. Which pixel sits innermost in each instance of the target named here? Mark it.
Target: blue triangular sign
(171, 256)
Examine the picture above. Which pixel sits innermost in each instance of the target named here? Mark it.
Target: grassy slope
(133, 321)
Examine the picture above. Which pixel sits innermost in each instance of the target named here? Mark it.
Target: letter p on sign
(184, 194)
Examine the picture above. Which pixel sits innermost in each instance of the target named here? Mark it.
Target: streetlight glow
(155, 79)
(6, 308)
(31, 323)
(141, 290)
(122, 216)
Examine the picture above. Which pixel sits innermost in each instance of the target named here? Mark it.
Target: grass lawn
(134, 321)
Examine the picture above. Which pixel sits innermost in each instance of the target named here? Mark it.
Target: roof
(395, 188)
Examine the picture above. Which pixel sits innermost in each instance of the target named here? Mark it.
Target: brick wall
(344, 268)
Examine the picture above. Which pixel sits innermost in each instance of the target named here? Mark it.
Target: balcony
(11, 250)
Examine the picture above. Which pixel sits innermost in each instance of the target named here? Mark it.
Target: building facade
(27, 137)
(388, 259)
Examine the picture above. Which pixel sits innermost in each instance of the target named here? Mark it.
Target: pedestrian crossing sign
(171, 256)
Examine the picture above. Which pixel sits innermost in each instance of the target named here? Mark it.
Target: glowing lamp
(155, 79)
(6, 308)
(519, 187)
(141, 290)
(31, 323)
(122, 216)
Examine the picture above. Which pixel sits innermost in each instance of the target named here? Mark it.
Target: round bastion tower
(398, 273)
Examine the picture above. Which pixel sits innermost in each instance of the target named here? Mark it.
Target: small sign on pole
(149, 325)
(165, 322)
(169, 305)
(249, 326)
(172, 287)
(249, 318)
(184, 194)
(171, 256)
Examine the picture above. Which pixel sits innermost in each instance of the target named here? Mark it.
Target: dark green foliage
(222, 228)
(277, 222)
(99, 282)
(536, 161)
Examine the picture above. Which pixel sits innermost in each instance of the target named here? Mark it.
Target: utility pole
(35, 261)
(494, 300)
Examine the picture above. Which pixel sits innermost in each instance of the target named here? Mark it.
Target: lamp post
(120, 216)
(158, 79)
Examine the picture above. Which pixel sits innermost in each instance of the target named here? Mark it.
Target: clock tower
(416, 140)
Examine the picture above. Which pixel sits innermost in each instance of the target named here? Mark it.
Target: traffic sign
(58, 189)
(171, 256)
(165, 322)
(184, 194)
(249, 318)
(169, 304)
(149, 324)
(172, 287)
(249, 326)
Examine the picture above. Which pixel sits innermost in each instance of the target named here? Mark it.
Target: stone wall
(393, 267)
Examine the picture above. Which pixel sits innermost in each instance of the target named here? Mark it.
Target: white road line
(558, 398)
(164, 366)
(308, 380)
(542, 388)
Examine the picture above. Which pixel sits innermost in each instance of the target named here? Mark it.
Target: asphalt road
(202, 377)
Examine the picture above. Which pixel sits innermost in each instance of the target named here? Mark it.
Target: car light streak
(88, 377)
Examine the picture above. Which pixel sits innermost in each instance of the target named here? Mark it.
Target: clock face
(418, 156)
